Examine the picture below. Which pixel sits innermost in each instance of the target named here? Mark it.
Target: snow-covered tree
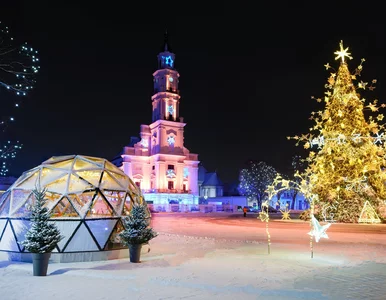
(137, 228)
(19, 66)
(255, 179)
(43, 235)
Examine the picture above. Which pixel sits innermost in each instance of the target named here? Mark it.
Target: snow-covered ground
(220, 256)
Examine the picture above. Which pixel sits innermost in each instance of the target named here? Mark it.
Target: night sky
(247, 75)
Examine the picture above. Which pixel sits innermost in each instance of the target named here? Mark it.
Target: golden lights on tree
(347, 149)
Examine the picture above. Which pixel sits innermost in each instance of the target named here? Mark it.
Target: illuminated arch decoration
(87, 197)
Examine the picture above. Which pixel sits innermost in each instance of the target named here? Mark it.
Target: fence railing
(205, 208)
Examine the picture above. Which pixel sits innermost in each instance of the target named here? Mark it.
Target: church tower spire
(166, 96)
(166, 46)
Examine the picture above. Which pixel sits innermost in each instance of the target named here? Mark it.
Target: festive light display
(254, 181)
(318, 231)
(300, 184)
(18, 68)
(264, 217)
(347, 165)
(368, 214)
(285, 214)
(18, 64)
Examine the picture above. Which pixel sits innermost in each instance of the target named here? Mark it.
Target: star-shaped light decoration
(285, 214)
(318, 231)
(342, 53)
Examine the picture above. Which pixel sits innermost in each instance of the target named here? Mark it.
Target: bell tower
(166, 96)
(158, 162)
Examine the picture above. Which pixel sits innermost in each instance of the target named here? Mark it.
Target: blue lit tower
(166, 95)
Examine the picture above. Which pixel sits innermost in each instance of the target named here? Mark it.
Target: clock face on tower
(171, 140)
(171, 79)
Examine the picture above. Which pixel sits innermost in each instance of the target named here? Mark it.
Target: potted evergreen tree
(42, 236)
(137, 230)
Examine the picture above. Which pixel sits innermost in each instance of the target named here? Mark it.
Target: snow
(221, 256)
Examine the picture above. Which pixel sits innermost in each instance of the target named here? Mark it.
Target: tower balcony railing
(170, 90)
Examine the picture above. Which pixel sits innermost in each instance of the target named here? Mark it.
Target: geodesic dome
(87, 197)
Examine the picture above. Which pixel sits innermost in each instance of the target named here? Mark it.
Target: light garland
(18, 69)
(264, 217)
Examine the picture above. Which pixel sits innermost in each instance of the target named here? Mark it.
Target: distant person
(245, 211)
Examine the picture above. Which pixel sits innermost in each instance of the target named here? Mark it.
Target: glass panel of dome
(132, 186)
(78, 185)
(25, 175)
(121, 178)
(114, 241)
(24, 209)
(82, 201)
(115, 199)
(58, 186)
(19, 198)
(48, 175)
(81, 241)
(56, 159)
(30, 181)
(111, 167)
(108, 182)
(2, 226)
(5, 203)
(64, 209)
(51, 200)
(91, 176)
(20, 228)
(81, 164)
(67, 229)
(8, 240)
(100, 208)
(63, 165)
(101, 230)
(99, 161)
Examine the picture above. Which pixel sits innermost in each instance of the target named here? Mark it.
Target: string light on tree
(264, 217)
(19, 65)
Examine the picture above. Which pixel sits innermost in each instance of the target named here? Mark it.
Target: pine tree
(137, 226)
(43, 235)
(347, 167)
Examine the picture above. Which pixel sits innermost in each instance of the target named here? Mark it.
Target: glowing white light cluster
(319, 141)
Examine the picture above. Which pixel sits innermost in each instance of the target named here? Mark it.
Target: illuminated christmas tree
(347, 150)
(18, 70)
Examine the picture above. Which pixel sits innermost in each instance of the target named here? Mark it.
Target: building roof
(212, 179)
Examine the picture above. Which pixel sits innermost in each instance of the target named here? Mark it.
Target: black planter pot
(135, 252)
(40, 263)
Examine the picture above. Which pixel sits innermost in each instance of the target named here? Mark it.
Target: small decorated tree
(137, 230)
(42, 236)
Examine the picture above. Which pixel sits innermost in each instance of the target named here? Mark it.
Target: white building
(158, 161)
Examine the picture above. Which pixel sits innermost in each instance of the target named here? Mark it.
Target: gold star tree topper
(342, 53)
